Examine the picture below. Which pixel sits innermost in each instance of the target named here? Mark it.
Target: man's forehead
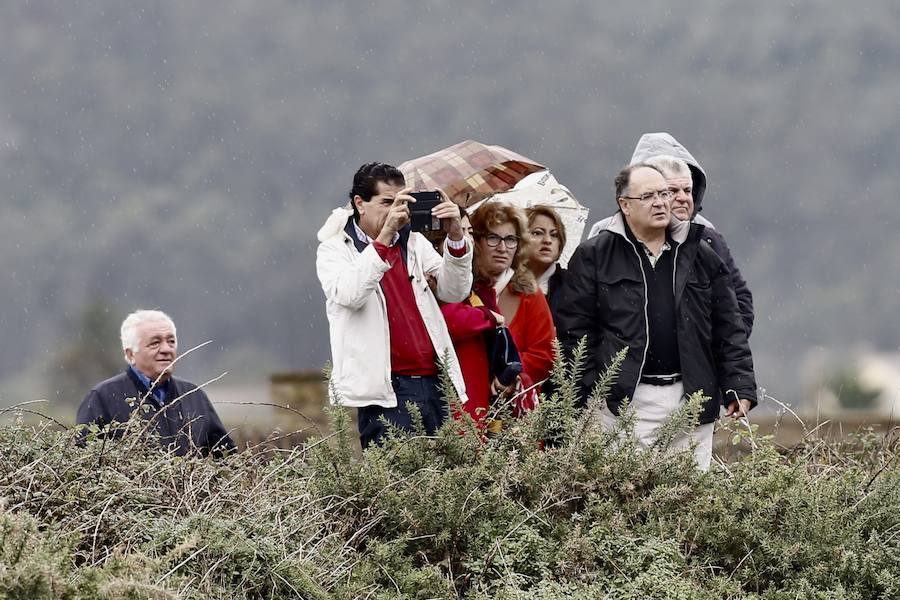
(679, 181)
(155, 328)
(386, 189)
(647, 177)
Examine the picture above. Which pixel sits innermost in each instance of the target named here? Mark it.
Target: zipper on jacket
(646, 316)
(674, 271)
(387, 335)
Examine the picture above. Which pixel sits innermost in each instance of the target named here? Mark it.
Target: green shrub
(552, 507)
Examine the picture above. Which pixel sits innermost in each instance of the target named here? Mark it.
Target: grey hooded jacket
(659, 144)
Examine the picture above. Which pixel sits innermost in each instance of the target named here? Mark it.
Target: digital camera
(420, 217)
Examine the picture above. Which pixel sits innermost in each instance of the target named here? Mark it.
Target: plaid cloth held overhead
(469, 171)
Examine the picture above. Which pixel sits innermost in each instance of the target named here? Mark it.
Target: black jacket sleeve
(576, 314)
(731, 348)
(91, 410)
(741, 290)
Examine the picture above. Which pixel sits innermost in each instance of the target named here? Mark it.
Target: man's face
(157, 348)
(682, 189)
(644, 208)
(373, 213)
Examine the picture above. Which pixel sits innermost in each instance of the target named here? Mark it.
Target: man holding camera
(387, 332)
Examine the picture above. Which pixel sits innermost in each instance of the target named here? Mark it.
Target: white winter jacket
(357, 313)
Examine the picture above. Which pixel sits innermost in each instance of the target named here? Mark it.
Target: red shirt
(411, 350)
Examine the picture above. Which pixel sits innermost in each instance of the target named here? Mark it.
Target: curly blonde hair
(496, 212)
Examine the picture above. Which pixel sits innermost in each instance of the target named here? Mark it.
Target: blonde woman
(548, 235)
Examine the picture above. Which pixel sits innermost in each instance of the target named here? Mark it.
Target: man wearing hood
(687, 204)
(651, 284)
(387, 332)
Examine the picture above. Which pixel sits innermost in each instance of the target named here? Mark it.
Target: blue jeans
(423, 392)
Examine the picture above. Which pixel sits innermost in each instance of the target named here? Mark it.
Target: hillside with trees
(182, 155)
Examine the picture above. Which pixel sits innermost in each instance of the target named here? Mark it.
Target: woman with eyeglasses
(548, 234)
(501, 244)
(505, 285)
(468, 322)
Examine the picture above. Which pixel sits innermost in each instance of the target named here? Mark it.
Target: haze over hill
(183, 155)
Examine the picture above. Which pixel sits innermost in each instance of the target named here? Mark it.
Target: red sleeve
(533, 331)
(457, 252)
(465, 321)
(382, 250)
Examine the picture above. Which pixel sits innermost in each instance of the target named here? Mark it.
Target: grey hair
(135, 319)
(671, 166)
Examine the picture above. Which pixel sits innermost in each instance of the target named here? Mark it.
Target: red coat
(531, 329)
(467, 324)
(533, 332)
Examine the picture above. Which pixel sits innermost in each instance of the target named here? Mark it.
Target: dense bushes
(553, 507)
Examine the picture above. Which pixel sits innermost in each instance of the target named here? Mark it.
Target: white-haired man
(179, 411)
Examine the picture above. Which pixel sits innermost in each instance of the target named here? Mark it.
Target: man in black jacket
(178, 411)
(658, 149)
(654, 285)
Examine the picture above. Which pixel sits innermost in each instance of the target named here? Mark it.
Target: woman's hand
(502, 391)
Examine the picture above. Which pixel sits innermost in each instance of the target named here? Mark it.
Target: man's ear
(129, 356)
(359, 203)
(623, 206)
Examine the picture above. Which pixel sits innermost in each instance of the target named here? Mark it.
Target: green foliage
(453, 515)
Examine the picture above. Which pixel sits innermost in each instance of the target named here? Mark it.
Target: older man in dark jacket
(654, 285)
(178, 411)
(689, 189)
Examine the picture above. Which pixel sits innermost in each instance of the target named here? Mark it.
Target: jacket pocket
(620, 296)
(697, 306)
(700, 292)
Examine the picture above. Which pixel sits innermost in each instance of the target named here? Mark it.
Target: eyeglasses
(664, 195)
(493, 240)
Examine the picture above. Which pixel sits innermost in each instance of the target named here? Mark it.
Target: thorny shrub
(551, 507)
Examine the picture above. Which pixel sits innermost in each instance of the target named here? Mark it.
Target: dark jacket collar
(634, 240)
(169, 384)
(360, 245)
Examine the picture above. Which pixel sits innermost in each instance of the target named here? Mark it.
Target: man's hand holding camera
(397, 217)
(448, 212)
